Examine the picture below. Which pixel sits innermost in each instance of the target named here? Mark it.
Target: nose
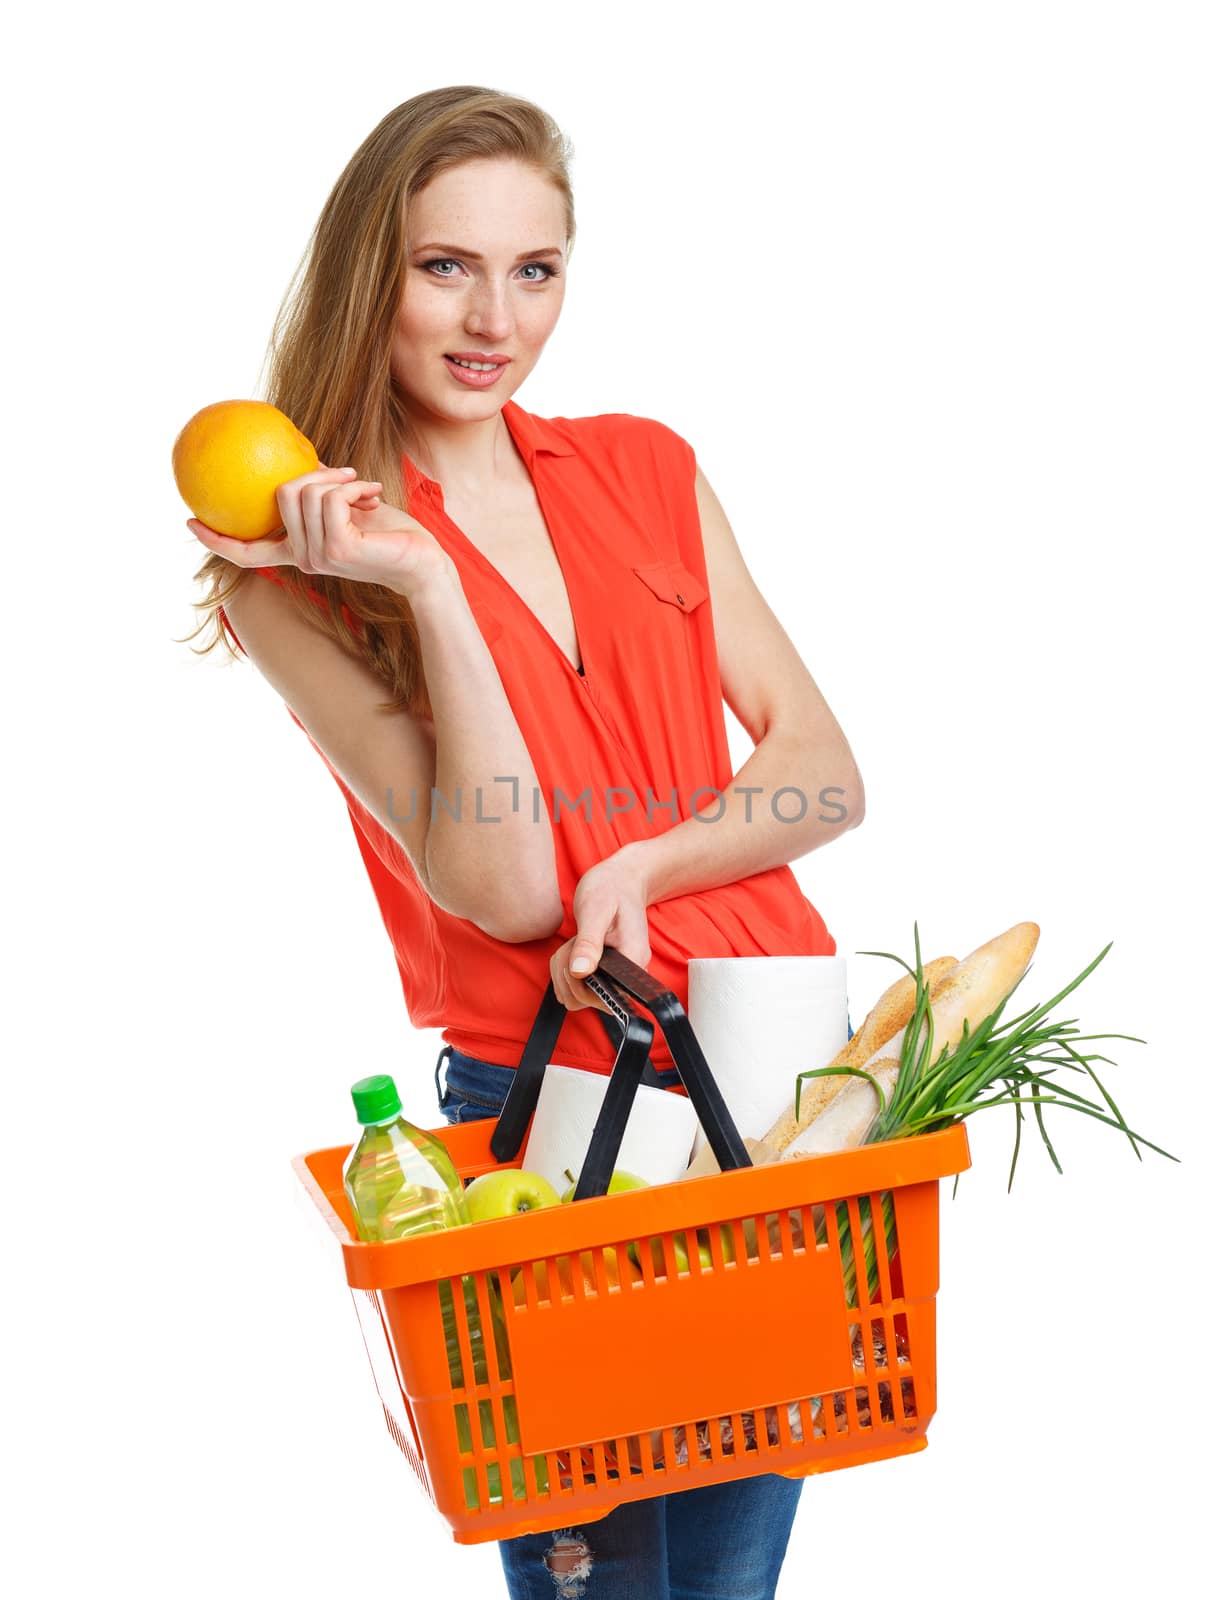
(489, 311)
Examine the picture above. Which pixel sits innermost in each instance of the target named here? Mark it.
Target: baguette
(968, 993)
(704, 1164)
(849, 1116)
(891, 1013)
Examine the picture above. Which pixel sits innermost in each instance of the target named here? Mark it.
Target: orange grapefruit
(231, 458)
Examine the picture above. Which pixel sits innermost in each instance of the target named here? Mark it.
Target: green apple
(508, 1190)
(618, 1183)
(621, 1180)
(750, 1235)
(680, 1253)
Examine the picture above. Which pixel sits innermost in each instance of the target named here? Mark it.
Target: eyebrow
(472, 255)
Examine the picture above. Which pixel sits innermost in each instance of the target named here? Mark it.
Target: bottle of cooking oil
(400, 1181)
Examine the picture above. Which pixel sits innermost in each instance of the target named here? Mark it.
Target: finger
(563, 987)
(289, 503)
(273, 551)
(583, 994)
(311, 510)
(584, 955)
(640, 955)
(337, 504)
(589, 997)
(325, 514)
(580, 995)
(570, 992)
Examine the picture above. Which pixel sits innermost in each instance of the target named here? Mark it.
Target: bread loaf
(704, 1164)
(891, 1013)
(846, 1120)
(968, 993)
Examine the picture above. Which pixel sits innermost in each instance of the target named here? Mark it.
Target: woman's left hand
(610, 908)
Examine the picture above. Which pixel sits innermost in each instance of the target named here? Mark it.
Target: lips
(472, 378)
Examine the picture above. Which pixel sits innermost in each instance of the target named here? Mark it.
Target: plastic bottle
(401, 1181)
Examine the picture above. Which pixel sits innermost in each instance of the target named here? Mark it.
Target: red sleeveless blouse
(626, 749)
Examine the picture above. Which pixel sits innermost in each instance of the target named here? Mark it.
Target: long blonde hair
(329, 355)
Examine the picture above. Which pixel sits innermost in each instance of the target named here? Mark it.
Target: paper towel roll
(656, 1144)
(759, 1020)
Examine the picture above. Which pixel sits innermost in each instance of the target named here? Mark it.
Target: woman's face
(486, 273)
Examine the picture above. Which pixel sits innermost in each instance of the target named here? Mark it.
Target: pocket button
(674, 583)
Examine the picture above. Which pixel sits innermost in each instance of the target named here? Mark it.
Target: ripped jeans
(719, 1540)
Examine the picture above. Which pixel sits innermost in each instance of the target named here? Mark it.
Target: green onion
(999, 1063)
(847, 1249)
(1021, 1056)
(1017, 1059)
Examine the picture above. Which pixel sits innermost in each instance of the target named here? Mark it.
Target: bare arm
(483, 763)
(801, 788)
(499, 874)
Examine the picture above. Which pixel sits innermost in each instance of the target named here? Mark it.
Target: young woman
(511, 640)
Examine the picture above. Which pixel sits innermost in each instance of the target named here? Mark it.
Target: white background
(935, 293)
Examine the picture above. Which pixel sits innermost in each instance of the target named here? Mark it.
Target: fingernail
(580, 964)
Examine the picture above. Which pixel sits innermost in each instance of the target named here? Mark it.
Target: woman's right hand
(337, 525)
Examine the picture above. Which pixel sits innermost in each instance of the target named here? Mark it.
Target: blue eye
(443, 261)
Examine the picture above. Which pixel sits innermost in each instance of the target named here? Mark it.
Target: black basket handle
(616, 980)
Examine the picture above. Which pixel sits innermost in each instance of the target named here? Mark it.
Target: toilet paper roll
(656, 1144)
(759, 1020)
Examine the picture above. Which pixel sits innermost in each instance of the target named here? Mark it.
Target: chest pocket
(674, 584)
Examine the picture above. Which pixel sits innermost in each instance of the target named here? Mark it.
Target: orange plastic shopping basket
(765, 1340)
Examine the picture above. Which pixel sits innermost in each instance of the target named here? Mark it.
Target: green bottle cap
(375, 1099)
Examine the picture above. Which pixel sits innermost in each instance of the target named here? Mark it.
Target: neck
(463, 458)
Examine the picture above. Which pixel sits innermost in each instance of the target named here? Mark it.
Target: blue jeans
(719, 1540)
